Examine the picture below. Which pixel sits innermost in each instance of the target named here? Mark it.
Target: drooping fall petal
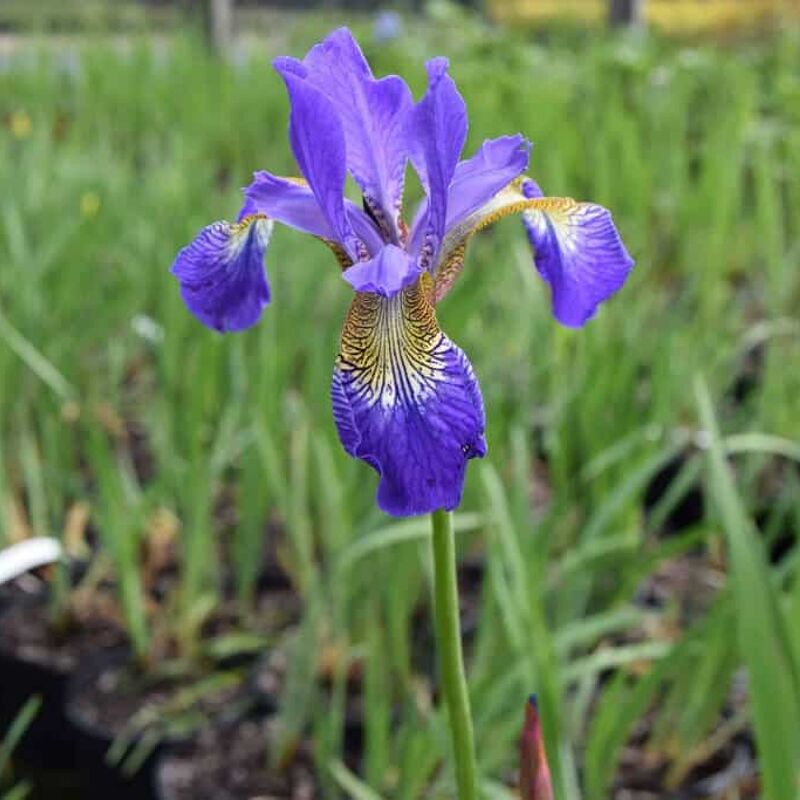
(406, 401)
(578, 251)
(576, 248)
(222, 276)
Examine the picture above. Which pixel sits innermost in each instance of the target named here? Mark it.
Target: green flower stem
(451, 660)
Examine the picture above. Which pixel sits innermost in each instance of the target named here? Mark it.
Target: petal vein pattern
(576, 248)
(221, 273)
(578, 251)
(509, 200)
(406, 401)
(318, 144)
(372, 113)
(437, 128)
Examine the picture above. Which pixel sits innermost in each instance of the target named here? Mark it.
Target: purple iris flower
(405, 398)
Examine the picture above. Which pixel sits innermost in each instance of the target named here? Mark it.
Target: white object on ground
(28, 554)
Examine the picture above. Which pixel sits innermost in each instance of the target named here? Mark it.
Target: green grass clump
(113, 394)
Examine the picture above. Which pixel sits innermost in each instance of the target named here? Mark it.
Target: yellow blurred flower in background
(20, 124)
(90, 204)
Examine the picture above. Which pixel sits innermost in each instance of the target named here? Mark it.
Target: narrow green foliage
(16, 731)
(761, 625)
(11, 738)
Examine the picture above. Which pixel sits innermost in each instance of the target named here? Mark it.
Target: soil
(106, 695)
(29, 635)
(729, 771)
(232, 764)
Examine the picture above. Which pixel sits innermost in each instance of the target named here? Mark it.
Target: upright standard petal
(477, 179)
(437, 129)
(221, 273)
(579, 252)
(318, 144)
(390, 271)
(406, 401)
(497, 163)
(372, 113)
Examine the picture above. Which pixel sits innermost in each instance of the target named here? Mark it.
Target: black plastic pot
(101, 778)
(47, 746)
(688, 512)
(95, 736)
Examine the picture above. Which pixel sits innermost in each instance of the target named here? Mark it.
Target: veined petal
(287, 200)
(478, 179)
(577, 249)
(530, 188)
(222, 276)
(387, 273)
(579, 252)
(509, 200)
(372, 113)
(406, 401)
(291, 201)
(437, 129)
(318, 144)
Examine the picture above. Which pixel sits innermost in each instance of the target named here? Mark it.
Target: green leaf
(760, 628)
(19, 725)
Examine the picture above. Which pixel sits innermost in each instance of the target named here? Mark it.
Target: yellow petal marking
(394, 346)
(262, 227)
(510, 200)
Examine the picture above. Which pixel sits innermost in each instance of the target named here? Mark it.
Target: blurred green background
(630, 542)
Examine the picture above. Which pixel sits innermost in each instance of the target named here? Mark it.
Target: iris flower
(405, 398)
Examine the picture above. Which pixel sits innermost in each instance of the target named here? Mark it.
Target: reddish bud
(534, 772)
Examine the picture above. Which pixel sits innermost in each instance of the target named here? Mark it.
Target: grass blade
(352, 786)
(17, 730)
(760, 628)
